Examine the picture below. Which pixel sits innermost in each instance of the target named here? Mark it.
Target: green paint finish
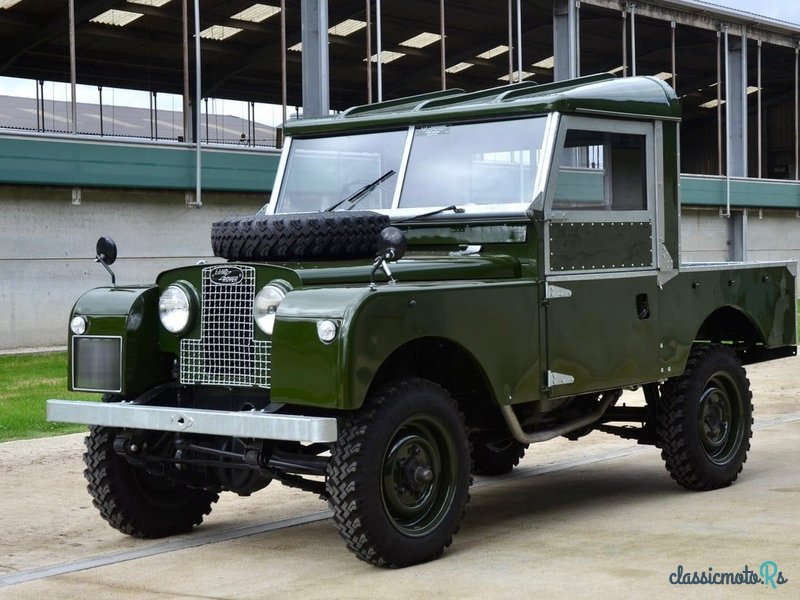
(597, 337)
(583, 246)
(745, 193)
(131, 313)
(79, 163)
(305, 370)
(762, 296)
(474, 316)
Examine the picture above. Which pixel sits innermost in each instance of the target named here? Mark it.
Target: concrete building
(736, 73)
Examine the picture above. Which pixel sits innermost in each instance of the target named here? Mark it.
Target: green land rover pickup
(437, 283)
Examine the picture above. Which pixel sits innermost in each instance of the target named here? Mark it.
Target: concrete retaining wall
(47, 246)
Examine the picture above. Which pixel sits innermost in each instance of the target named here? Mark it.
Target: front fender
(495, 322)
(119, 351)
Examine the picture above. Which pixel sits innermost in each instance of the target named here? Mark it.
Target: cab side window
(602, 171)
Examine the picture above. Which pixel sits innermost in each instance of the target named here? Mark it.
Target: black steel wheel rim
(419, 475)
(720, 418)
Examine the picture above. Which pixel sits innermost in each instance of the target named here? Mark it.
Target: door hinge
(554, 379)
(554, 291)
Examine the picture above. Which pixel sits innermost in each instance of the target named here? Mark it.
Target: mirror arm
(101, 259)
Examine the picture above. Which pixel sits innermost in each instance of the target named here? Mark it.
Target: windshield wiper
(452, 207)
(359, 194)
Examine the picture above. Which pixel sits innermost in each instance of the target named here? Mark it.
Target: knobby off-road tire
(399, 475)
(496, 458)
(704, 420)
(337, 235)
(134, 502)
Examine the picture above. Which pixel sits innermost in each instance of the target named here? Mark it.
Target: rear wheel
(398, 478)
(134, 501)
(496, 458)
(704, 420)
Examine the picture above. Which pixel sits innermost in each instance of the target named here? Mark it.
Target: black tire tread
(346, 499)
(337, 235)
(106, 481)
(670, 413)
(491, 463)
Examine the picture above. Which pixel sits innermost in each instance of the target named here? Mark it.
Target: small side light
(78, 325)
(326, 331)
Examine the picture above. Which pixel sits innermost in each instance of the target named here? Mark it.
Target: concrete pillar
(565, 39)
(736, 104)
(314, 35)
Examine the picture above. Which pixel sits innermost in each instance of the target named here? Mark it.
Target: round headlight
(265, 306)
(175, 309)
(78, 325)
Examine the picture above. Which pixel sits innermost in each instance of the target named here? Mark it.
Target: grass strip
(26, 381)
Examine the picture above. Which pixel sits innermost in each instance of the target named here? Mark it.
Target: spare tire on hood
(300, 236)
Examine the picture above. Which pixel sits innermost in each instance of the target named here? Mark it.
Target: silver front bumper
(250, 424)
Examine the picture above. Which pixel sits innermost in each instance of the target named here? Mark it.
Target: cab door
(601, 230)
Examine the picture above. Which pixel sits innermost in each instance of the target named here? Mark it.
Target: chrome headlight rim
(79, 324)
(264, 312)
(188, 306)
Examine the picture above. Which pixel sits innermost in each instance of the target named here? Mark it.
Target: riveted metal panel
(592, 246)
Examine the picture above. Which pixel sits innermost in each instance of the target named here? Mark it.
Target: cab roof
(631, 97)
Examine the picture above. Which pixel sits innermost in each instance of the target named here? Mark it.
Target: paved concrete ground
(597, 518)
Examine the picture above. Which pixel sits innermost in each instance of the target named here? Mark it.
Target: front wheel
(399, 475)
(704, 420)
(135, 502)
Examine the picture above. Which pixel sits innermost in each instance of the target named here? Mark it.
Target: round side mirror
(392, 243)
(106, 250)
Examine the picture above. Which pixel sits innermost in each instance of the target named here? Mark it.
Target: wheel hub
(417, 478)
(718, 418)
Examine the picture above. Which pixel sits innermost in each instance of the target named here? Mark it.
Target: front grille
(226, 353)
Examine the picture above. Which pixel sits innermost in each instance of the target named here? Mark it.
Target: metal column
(736, 134)
(759, 114)
(633, 39)
(443, 49)
(187, 110)
(283, 70)
(72, 69)
(736, 103)
(314, 36)
(672, 52)
(379, 41)
(198, 169)
(510, 41)
(565, 40)
(369, 51)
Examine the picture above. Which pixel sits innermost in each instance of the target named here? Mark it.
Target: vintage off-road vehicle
(436, 283)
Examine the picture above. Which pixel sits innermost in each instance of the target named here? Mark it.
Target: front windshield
(322, 171)
(475, 163)
(490, 163)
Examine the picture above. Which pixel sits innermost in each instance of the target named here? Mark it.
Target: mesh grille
(226, 353)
